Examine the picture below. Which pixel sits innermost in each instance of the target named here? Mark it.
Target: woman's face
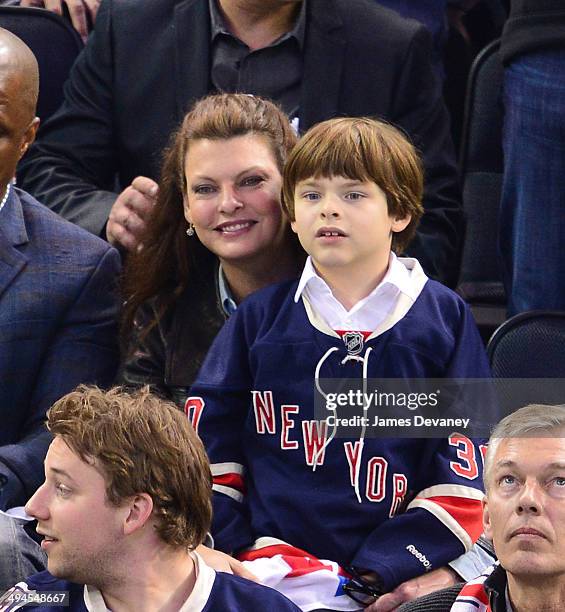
(233, 189)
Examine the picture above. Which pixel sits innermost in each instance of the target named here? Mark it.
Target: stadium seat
(55, 45)
(530, 346)
(481, 164)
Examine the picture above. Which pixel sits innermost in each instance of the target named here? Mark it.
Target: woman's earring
(190, 230)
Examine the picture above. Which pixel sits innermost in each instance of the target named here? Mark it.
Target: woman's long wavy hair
(162, 268)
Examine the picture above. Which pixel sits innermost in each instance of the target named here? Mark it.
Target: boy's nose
(329, 208)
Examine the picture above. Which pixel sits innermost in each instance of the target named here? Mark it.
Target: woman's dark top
(169, 355)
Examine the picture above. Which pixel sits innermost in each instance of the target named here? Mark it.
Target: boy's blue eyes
(313, 196)
(354, 195)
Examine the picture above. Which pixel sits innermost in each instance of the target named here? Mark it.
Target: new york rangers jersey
(213, 592)
(396, 506)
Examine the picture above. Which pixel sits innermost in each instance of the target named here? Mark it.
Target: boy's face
(344, 224)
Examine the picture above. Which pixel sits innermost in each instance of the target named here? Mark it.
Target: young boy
(284, 483)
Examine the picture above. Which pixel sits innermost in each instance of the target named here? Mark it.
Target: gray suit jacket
(58, 328)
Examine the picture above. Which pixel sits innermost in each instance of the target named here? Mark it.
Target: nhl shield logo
(354, 342)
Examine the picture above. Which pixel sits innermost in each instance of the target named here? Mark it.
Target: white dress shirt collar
(402, 278)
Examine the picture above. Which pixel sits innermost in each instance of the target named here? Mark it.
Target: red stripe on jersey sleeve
(467, 512)
(235, 481)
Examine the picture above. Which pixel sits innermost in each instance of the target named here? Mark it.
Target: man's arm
(84, 349)
(130, 213)
(71, 168)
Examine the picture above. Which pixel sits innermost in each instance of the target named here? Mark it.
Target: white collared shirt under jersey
(369, 312)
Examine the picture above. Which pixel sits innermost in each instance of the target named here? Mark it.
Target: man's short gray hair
(535, 420)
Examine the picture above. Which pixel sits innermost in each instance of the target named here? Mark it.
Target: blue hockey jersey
(213, 592)
(279, 474)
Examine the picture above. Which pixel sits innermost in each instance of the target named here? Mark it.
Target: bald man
(19, 87)
(57, 311)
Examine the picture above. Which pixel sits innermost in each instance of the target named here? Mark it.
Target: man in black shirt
(146, 62)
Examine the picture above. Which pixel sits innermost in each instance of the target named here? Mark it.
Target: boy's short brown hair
(361, 149)
(141, 444)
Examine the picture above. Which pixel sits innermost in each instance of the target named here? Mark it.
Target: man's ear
(140, 508)
(29, 136)
(487, 527)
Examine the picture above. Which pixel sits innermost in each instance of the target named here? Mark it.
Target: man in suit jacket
(146, 62)
(58, 309)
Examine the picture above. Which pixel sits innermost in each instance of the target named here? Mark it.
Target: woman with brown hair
(217, 234)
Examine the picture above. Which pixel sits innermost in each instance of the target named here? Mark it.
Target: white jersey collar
(387, 303)
(196, 601)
